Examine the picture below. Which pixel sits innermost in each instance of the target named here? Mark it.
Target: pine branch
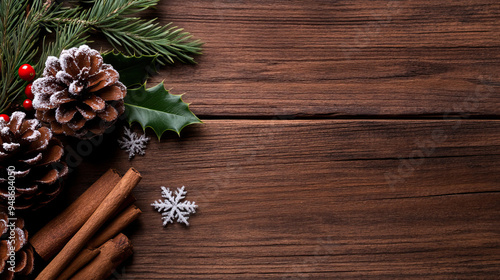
(107, 10)
(20, 31)
(7, 50)
(134, 35)
(142, 37)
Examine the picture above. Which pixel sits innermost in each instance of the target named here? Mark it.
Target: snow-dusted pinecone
(79, 95)
(34, 158)
(23, 252)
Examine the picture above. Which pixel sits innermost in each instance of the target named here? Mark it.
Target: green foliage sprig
(134, 35)
(22, 24)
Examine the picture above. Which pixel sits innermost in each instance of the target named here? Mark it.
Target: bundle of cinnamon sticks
(85, 241)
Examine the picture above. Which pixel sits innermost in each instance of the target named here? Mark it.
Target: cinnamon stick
(48, 241)
(116, 226)
(91, 251)
(113, 253)
(105, 210)
(79, 262)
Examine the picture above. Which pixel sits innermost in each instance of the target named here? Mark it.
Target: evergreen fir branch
(102, 11)
(20, 32)
(142, 37)
(134, 35)
(107, 10)
(11, 15)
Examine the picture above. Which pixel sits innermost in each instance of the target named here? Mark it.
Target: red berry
(27, 104)
(28, 92)
(5, 117)
(26, 72)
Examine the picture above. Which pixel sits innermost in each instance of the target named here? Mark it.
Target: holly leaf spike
(158, 109)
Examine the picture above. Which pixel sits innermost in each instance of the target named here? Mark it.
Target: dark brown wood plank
(290, 199)
(338, 58)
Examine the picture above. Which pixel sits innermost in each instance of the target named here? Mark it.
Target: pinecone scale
(35, 158)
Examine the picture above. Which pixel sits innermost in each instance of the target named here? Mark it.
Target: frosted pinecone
(23, 252)
(78, 95)
(31, 160)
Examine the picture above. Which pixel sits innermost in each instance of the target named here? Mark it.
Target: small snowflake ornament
(172, 207)
(133, 143)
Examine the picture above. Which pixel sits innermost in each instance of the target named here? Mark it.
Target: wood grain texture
(393, 189)
(298, 199)
(338, 58)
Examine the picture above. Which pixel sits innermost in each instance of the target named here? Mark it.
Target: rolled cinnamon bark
(92, 250)
(113, 253)
(79, 262)
(116, 226)
(48, 241)
(105, 210)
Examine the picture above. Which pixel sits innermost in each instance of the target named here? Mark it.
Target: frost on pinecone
(172, 207)
(133, 143)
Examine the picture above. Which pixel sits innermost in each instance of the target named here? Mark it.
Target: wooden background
(342, 140)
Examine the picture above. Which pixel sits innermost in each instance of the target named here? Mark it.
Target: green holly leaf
(158, 109)
(134, 70)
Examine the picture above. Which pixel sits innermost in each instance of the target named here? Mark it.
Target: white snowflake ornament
(172, 207)
(133, 143)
